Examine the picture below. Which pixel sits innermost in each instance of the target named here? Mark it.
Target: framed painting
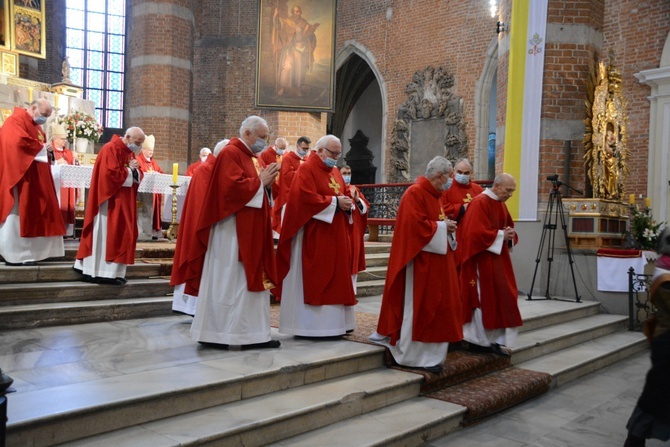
(28, 28)
(4, 24)
(295, 60)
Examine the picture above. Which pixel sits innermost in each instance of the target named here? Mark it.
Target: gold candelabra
(174, 225)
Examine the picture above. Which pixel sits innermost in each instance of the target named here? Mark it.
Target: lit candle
(175, 172)
(30, 94)
(647, 202)
(631, 199)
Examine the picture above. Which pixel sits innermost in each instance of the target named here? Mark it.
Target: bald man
(205, 153)
(31, 225)
(109, 235)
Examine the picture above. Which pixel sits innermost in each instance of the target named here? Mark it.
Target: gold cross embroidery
(442, 216)
(334, 185)
(467, 198)
(473, 282)
(256, 165)
(40, 137)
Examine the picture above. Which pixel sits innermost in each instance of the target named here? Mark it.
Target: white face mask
(463, 179)
(203, 158)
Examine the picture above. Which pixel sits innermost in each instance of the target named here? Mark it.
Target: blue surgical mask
(279, 151)
(258, 146)
(134, 147)
(447, 185)
(302, 153)
(463, 179)
(40, 120)
(330, 162)
(347, 179)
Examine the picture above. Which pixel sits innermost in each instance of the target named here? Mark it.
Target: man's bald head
(134, 136)
(504, 186)
(40, 109)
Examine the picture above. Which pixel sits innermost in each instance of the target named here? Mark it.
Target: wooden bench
(373, 227)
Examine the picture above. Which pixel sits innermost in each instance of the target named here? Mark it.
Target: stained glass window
(96, 51)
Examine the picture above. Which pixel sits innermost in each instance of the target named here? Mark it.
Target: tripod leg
(567, 247)
(553, 221)
(545, 225)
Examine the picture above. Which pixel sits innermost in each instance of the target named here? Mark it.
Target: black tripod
(554, 210)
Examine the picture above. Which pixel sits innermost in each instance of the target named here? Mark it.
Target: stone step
(372, 274)
(58, 271)
(573, 362)
(410, 423)
(538, 342)
(208, 379)
(36, 293)
(377, 247)
(369, 288)
(269, 418)
(377, 259)
(539, 313)
(78, 312)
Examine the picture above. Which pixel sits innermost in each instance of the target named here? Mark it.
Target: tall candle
(175, 172)
(647, 202)
(631, 199)
(30, 94)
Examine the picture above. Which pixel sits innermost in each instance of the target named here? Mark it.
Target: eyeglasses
(335, 155)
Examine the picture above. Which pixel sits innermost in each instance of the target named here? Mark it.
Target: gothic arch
(363, 62)
(482, 110)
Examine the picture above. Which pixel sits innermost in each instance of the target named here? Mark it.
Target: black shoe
(479, 349)
(437, 369)
(267, 345)
(154, 238)
(501, 351)
(214, 345)
(121, 280)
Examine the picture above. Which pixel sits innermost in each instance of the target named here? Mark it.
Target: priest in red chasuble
(291, 161)
(456, 198)
(67, 197)
(274, 154)
(189, 253)
(149, 164)
(487, 279)
(205, 153)
(233, 304)
(421, 309)
(109, 236)
(359, 226)
(314, 253)
(31, 225)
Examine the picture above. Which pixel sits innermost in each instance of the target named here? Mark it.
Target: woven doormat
(487, 395)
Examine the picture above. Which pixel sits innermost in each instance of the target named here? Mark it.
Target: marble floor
(591, 411)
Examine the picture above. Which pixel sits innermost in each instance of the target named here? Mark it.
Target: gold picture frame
(4, 25)
(295, 60)
(28, 30)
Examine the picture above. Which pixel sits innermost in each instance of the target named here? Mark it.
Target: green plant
(81, 125)
(644, 229)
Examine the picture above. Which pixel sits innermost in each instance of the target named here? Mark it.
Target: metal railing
(639, 299)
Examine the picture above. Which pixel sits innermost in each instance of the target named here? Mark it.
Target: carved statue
(428, 97)
(606, 151)
(66, 70)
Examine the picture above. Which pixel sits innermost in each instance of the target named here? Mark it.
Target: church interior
(569, 97)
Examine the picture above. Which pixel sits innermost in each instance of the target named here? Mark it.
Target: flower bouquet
(81, 125)
(644, 229)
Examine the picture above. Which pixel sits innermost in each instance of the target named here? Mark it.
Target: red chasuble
(233, 184)
(190, 170)
(326, 254)
(454, 198)
(436, 300)
(68, 196)
(109, 173)
(268, 156)
(289, 166)
(189, 254)
(499, 294)
(357, 235)
(20, 141)
(152, 166)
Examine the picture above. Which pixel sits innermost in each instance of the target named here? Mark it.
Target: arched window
(95, 45)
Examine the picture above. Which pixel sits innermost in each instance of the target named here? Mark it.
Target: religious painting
(295, 61)
(4, 24)
(28, 28)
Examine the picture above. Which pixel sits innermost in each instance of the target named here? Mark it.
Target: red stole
(436, 300)
(152, 166)
(20, 141)
(189, 254)
(233, 184)
(290, 164)
(498, 292)
(326, 254)
(68, 196)
(109, 173)
(357, 235)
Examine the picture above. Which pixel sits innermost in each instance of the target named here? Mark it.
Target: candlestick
(175, 172)
(631, 199)
(30, 94)
(173, 229)
(647, 202)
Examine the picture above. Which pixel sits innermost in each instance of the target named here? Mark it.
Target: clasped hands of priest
(268, 174)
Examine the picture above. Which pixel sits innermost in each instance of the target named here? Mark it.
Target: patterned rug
(484, 383)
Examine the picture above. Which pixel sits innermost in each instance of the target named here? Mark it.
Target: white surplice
(183, 302)
(226, 311)
(406, 351)
(298, 318)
